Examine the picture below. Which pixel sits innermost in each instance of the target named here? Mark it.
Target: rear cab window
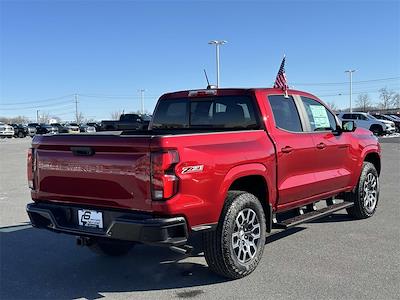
(219, 112)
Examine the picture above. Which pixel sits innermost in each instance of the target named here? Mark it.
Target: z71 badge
(192, 169)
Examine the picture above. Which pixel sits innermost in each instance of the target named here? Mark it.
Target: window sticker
(320, 116)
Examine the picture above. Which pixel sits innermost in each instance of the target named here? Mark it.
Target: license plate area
(90, 218)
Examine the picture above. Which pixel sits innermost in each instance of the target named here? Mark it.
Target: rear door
(332, 157)
(295, 151)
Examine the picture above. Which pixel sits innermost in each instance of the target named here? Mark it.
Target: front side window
(319, 117)
(285, 113)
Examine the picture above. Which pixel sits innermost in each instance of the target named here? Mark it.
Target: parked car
(388, 119)
(226, 163)
(6, 131)
(72, 127)
(126, 122)
(32, 128)
(88, 127)
(56, 128)
(397, 117)
(19, 130)
(364, 120)
(43, 128)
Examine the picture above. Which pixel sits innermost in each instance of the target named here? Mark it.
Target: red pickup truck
(231, 164)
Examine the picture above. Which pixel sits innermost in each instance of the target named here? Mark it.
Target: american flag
(280, 81)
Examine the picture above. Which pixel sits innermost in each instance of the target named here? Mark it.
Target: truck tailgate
(98, 170)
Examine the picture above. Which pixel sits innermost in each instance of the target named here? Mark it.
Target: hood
(387, 122)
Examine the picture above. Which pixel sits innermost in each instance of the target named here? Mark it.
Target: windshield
(228, 112)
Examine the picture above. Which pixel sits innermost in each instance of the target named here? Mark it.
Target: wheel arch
(375, 159)
(251, 178)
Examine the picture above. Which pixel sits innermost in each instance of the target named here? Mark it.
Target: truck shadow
(37, 264)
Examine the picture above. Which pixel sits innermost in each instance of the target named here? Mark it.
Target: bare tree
(396, 101)
(16, 120)
(44, 118)
(80, 118)
(364, 102)
(116, 114)
(386, 97)
(332, 105)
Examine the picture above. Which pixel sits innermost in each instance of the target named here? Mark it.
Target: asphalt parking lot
(331, 258)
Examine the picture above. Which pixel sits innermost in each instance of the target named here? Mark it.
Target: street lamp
(217, 44)
(351, 86)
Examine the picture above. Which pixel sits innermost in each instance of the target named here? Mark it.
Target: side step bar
(320, 213)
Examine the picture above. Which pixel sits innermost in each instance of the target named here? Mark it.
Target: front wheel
(376, 130)
(366, 194)
(235, 248)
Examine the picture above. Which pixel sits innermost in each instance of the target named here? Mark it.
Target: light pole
(351, 86)
(217, 44)
(142, 100)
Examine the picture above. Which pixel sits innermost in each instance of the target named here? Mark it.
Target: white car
(73, 127)
(364, 120)
(6, 131)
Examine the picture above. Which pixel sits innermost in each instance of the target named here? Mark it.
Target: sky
(106, 51)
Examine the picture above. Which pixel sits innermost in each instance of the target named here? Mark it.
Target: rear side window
(285, 113)
(231, 112)
(319, 117)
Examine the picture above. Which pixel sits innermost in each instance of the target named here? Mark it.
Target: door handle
(321, 146)
(287, 149)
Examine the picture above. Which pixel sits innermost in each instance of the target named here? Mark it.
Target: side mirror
(348, 126)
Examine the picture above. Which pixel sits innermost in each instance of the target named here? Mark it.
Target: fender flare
(367, 150)
(244, 170)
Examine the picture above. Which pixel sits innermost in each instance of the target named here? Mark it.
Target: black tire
(111, 247)
(360, 210)
(218, 245)
(376, 130)
(21, 134)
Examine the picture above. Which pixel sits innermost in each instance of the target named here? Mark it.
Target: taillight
(164, 182)
(31, 166)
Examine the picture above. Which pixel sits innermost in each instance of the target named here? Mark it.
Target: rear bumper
(120, 225)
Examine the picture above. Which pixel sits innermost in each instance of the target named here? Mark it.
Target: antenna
(205, 73)
(209, 86)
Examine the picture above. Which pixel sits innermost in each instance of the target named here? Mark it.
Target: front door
(333, 159)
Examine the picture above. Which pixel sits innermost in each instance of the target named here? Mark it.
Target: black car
(57, 128)
(389, 118)
(19, 130)
(126, 122)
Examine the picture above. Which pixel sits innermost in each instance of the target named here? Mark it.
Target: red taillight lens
(164, 182)
(30, 167)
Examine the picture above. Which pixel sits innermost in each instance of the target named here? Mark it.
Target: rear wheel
(111, 247)
(235, 248)
(21, 134)
(366, 195)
